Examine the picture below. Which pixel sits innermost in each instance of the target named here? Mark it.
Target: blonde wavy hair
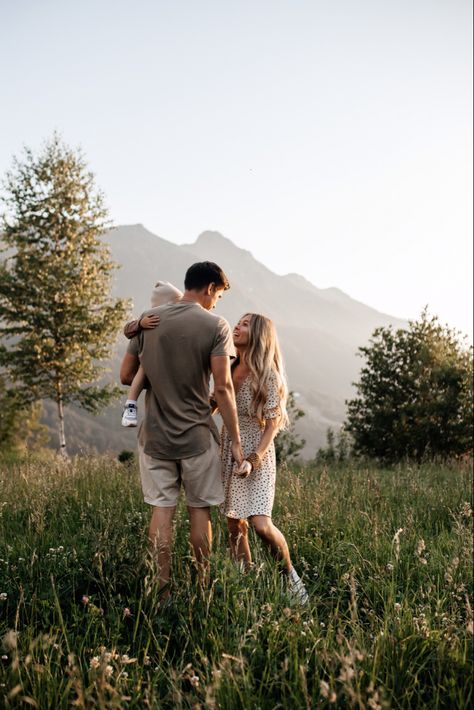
(263, 357)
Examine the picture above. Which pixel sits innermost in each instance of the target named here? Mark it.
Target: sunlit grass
(385, 554)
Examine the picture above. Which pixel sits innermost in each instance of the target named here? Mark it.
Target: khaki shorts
(200, 475)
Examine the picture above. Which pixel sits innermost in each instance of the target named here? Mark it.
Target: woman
(261, 394)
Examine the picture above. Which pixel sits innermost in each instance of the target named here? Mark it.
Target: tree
(55, 306)
(288, 443)
(338, 447)
(414, 394)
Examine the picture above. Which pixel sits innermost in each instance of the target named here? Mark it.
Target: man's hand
(237, 453)
(149, 321)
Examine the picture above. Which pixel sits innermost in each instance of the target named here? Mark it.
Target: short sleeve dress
(253, 495)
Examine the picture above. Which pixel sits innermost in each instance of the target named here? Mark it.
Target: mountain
(320, 330)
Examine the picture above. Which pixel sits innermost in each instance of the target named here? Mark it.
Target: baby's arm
(134, 327)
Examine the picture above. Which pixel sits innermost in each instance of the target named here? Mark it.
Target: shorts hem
(204, 505)
(152, 502)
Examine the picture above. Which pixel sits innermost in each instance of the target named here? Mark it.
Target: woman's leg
(137, 385)
(276, 542)
(273, 539)
(239, 540)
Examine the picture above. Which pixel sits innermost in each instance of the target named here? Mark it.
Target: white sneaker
(129, 416)
(297, 588)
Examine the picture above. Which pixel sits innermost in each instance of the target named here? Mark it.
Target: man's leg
(201, 539)
(160, 535)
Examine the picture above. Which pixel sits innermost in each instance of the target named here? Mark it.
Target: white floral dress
(252, 495)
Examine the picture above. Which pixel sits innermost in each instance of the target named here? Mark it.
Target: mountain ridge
(320, 330)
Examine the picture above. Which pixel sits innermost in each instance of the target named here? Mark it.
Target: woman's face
(242, 332)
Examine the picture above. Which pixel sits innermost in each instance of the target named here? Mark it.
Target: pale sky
(332, 139)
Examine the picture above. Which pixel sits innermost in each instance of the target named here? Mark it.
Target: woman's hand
(213, 403)
(244, 470)
(149, 321)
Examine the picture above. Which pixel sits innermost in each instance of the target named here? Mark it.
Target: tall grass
(385, 554)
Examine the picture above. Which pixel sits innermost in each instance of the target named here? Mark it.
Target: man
(178, 440)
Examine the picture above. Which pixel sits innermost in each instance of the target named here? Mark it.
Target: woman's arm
(268, 434)
(253, 460)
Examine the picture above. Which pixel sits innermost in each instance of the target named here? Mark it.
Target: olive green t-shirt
(176, 358)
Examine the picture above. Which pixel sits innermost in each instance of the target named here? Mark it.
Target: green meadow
(385, 554)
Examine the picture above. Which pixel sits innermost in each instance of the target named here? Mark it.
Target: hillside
(320, 329)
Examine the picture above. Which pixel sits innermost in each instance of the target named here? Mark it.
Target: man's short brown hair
(202, 274)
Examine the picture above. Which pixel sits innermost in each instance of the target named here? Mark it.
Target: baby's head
(164, 292)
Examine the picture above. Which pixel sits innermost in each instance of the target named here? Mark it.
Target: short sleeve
(223, 342)
(271, 409)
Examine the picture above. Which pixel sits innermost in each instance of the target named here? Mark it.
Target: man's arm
(225, 398)
(128, 368)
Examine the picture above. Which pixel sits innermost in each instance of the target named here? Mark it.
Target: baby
(162, 293)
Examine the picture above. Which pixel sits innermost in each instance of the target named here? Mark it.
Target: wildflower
(324, 688)
(3, 597)
(109, 671)
(420, 549)
(85, 599)
(10, 641)
(124, 674)
(397, 607)
(127, 660)
(146, 660)
(396, 542)
(95, 663)
(194, 680)
(390, 567)
(322, 625)
(326, 691)
(126, 612)
(4, 657)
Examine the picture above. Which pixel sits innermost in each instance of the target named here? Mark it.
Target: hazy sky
(332, 139)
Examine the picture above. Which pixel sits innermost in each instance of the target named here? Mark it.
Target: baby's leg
(137, 385)
(129, 416)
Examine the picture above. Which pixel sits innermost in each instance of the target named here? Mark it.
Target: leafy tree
(414, 394)
(288, 443)
(338, 447)
(55, 305)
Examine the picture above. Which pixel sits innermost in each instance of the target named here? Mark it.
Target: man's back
(176, 358)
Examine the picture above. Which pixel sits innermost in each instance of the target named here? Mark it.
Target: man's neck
(192, 297)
